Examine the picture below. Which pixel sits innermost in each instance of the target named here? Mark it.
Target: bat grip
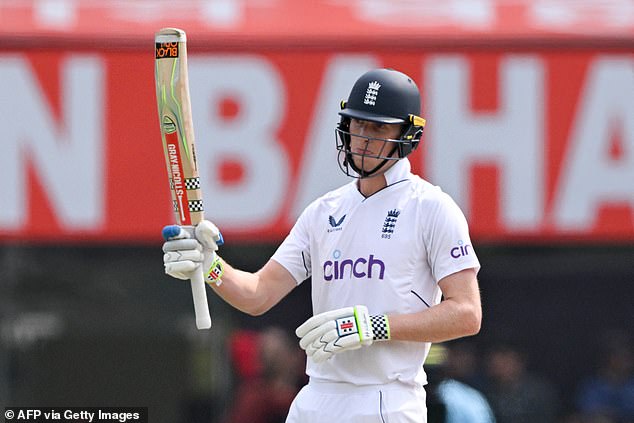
(201, 308)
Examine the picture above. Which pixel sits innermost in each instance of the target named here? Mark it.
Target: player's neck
(371, 185)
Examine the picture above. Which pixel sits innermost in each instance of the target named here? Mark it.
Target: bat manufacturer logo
(177, 179)
(168, 125)
(167, 50)
(346, 326)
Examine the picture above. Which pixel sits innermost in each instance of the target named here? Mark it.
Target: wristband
(380, 327)
(215, 272)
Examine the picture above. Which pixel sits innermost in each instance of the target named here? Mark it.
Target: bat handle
(199, 295)
(201, 308)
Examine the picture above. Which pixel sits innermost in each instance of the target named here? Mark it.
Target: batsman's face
(367, 142)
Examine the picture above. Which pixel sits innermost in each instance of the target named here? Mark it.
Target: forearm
(448, 320)
(460, 314)
(240, 289)
(254, 293)
(334, 332)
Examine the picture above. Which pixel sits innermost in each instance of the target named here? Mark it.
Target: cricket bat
(177, 134)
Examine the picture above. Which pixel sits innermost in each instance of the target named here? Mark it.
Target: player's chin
(365, 163)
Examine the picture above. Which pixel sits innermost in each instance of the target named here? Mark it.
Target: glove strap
(215, 272)
(380, 327)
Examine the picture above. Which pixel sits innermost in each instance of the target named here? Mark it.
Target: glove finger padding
(335, 331)
(183, 254)
(319, 319)
(330, 341)
(316, 333)
(325, 351)
(181, 244)
(322, 341)
(181, 269)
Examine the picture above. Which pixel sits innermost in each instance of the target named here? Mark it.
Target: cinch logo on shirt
(461, 250)
(353, 268)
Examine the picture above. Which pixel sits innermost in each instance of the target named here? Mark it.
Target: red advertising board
(529, 107)
(237, 23)
(535, 145)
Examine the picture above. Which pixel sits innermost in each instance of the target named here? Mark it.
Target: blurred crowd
(467, 383)
(269, 371)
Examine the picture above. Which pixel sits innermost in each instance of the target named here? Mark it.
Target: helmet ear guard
(411, 135)
(343, 129)
(342, 135)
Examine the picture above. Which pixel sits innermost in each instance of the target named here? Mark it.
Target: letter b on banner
(246, 139)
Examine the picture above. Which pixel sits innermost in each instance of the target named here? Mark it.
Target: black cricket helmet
(383, 96)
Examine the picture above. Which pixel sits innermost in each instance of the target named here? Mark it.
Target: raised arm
(252, 293)
(255, 293)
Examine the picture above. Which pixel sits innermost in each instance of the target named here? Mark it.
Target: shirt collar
(399, 171)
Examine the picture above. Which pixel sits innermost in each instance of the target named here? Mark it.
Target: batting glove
(340, 330)
(186, 248)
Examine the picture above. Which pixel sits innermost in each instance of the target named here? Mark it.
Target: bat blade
(177, 134)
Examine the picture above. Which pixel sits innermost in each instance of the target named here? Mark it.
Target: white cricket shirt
(387, 252)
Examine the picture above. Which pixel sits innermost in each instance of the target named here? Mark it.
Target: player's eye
(380, 126)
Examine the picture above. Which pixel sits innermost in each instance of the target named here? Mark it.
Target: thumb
(209, 235)
(171, 232)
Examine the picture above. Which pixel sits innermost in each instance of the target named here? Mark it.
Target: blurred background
(530, 110)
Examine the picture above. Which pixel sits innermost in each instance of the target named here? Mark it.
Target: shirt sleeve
(447, 239)
(294, 252)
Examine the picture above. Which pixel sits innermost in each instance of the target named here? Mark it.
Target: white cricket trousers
(320, 402)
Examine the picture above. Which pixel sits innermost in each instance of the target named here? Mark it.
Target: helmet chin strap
(349, 161)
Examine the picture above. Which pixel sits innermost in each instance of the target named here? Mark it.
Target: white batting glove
(186, 248)
(340, 330)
